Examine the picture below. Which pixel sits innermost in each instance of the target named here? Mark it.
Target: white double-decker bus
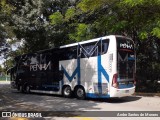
(98, 68)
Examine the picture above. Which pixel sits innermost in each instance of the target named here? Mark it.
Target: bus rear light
(114, 81)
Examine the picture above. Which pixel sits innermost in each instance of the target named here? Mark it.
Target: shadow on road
(117, 100)
(108, 100)
(14, 100)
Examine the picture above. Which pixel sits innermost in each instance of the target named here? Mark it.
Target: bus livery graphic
(77, 71)
(101, 71)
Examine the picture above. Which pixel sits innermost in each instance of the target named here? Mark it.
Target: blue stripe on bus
(70, 78)
(131, 58)
(77, 71)
(93, 95)
(101, 71)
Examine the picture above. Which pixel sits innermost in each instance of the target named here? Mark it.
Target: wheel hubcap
(80, 93)
(67, 91)
(27, 89)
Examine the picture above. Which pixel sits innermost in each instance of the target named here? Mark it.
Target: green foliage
(92, 5)
(156, 29)
(56, 18)
(5, 8)
(82, 33)
(156, 32)
(89, 5)
(30, 24)
(133, 3)
(70, 13)
(119, 25)
(143, 35)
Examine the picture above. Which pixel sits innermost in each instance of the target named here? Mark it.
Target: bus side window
(73, 52)
(88, 50)
(69, 53)
(105, 44)
(104, 48)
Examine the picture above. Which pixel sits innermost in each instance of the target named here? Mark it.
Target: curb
(147, 94)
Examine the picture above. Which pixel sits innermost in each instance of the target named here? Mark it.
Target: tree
(31, 23)
(138, 19)
(6, 31)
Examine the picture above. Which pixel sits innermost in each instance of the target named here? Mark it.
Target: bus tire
(80, 93)
(66, 91)
(21, 89)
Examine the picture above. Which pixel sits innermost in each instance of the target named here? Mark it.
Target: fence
(4, 78)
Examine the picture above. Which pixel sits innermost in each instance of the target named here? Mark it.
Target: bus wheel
(67, 92)
(80, 93)
(21, 89)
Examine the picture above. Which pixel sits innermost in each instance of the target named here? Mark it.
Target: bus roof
(71, 45)
(91, 40)
(84, 42)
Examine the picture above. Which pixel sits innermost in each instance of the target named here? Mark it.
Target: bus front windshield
(125, 59)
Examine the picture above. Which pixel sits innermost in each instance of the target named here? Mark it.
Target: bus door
(51, 76)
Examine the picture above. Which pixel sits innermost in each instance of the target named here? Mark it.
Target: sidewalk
(4, 82)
